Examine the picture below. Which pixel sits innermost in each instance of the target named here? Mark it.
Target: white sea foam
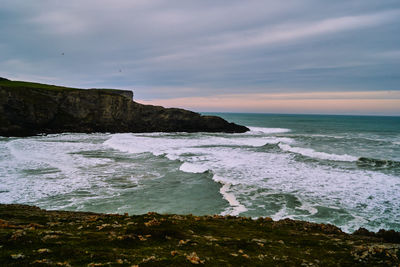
(192, 168)
(174, 146)
(277, 140)
(281, 214)
(326, 136)
(249, 175)
(308, 152)
(308, 207)
(47, 165)
(235, 207)
(241, 167)
(263, 130)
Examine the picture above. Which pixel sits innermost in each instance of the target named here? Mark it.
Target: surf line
(235, 206)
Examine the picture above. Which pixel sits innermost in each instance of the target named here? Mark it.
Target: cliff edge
(33, 108)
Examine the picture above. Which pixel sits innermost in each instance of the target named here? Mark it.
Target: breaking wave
(309, 152)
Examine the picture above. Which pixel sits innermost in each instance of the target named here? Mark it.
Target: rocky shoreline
(31, 108)
(35, 237)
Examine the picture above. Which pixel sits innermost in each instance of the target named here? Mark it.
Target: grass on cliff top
(8, 83)
(22, 84)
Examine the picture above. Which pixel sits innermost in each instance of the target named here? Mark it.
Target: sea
(341, 170)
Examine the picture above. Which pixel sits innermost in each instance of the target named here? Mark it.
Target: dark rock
(387, 235)
(364, 232)
(31, 108)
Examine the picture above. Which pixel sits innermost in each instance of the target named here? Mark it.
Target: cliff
(30, 236)
(32, 108)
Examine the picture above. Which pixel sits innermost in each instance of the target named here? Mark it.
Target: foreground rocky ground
(35, 237)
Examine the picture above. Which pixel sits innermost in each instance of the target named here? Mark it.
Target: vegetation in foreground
(35, 237)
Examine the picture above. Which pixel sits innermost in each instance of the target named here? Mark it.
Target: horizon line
(308, 114)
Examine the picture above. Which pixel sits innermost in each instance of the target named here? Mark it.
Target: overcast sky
(255, 56)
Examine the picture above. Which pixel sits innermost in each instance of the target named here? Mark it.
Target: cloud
(391, 54)
(60, 23)
(286, 33)
(175, 48)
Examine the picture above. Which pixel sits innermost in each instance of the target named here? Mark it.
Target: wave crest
(264, 130)
(308, 152)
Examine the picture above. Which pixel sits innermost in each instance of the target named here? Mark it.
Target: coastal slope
(32, 108)
(30, 236)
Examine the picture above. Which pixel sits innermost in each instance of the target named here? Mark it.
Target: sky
(292, 56)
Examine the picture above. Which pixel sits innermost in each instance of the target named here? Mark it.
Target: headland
(32, 108)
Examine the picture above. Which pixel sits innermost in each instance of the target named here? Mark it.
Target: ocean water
(343, 170)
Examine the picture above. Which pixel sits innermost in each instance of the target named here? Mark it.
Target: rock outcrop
(31, 108)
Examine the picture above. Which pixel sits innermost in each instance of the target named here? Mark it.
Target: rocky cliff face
(30, 108)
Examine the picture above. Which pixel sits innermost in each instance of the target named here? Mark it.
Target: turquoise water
(343, 170)
(366, 136)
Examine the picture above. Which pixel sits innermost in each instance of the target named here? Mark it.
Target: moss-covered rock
(32, 108)
(35, 237)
